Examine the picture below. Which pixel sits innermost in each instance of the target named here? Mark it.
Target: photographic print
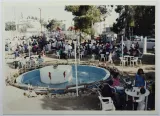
(78, 58)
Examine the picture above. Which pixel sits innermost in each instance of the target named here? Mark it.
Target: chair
(58, 55)
(33, 65)
(40, 64)
(134, 60)
(72, 54)
(27, 66)
(123, 61)
(103, 57)
(106, 103)
(140, 59)
(82, 54)
(69, 54)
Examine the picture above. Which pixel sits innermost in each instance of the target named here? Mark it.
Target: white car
(150, 40)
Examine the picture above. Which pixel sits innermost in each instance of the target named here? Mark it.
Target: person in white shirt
(110, 58)
(141, 100)
(49, 46)
(53, 45)
(23, 62)
(93, 47)
(132, 45)
(66, 47)
(90, 45)
(40, 60)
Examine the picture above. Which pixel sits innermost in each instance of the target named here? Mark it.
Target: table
(133, 93)
(129, 58)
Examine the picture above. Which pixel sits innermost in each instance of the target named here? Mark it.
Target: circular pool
(48, 76)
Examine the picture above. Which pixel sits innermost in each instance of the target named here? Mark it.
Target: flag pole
(76, 68)
(122, 53)
(122, 46)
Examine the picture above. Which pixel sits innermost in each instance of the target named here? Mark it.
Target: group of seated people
(114, 89)
(31, 61)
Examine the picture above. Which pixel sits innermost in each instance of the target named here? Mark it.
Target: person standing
(140, 78)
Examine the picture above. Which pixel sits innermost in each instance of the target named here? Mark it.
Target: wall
(149, 44)
(57, 75)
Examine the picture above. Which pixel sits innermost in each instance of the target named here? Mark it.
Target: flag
(64, 74)
(49, 74)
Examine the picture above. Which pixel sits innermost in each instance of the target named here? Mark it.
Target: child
(141, 100)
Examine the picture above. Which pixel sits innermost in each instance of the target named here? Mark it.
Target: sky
(48, 11)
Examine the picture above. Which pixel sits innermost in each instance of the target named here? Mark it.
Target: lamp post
(40, 19)
(75, 52)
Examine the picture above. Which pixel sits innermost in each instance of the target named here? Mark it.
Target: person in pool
(140, 78)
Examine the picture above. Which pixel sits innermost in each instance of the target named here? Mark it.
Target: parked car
(150, 40)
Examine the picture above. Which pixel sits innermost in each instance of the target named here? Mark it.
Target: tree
(86, 16)
(23, 29)
(123, 21)
(145, 21)
(10, 26)
(52, 25)
(140, 18)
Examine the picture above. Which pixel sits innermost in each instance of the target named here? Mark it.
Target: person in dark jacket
(107, 91)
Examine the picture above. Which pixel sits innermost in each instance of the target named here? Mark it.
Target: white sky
(48, 11)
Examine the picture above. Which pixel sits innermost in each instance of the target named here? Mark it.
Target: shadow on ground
(75, 103)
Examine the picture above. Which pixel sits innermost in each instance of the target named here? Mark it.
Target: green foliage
(53, 24)
(23, 29)
(10, 26)
(142, 19)
(145, 25)
(85, 16)
(29, 25)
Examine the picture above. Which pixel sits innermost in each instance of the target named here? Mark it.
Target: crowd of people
(40, 45)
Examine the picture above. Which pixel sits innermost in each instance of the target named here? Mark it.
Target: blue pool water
(85, 74)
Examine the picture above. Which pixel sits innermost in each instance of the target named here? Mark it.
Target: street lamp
(40, 19)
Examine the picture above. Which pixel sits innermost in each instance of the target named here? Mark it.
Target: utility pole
(40, 20)
(92, 25)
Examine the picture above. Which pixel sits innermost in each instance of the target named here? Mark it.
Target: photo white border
(92, 2)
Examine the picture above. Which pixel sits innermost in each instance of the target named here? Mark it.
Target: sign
(132, 23)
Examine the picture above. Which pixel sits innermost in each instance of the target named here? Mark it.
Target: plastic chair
(103, 57)
(123, 61)
(140, 59)
(134, 60)
(106, 103)
(82, 54)
(72, 54)
(33, 64)
(58, 55)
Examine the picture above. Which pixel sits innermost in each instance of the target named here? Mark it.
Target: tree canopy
(10, 26)
(140, 18)
(53, 24)
(86, 15)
